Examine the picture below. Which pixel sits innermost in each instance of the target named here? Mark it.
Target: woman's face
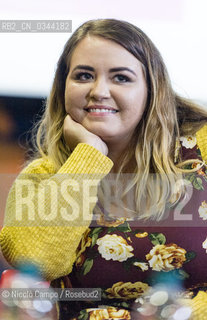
(105, 89)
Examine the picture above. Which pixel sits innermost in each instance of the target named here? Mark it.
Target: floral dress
(127, 258)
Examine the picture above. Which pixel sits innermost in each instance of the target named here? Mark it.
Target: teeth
(101, 110)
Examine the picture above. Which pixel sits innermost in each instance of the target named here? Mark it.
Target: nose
(100, 89)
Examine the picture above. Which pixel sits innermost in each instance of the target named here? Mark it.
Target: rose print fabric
(126, 258)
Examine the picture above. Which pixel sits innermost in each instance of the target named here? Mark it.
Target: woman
(112, 110)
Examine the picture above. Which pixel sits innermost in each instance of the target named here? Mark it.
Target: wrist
(100, 147)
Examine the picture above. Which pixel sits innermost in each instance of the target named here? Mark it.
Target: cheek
(71, 98)
(133, 107)
(69, 102)
(75, 97)
(137, 101)
(74, 104)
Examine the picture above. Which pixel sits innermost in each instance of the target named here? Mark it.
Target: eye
(122, 78)
(83, 76)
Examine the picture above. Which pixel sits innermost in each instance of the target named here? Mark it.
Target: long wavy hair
(167, 116)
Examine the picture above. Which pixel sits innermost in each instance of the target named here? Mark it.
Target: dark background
(17, 118)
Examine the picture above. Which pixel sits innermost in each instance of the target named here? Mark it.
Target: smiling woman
(112, 109)
(106, 91)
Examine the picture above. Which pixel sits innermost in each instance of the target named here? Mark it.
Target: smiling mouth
(97, 110)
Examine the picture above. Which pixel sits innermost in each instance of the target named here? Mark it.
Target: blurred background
(28, 60)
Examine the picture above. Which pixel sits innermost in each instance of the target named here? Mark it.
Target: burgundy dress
(125, 258)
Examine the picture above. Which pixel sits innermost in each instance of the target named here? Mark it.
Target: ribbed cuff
(86, 159)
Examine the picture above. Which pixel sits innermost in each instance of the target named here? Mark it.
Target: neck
(116, 152)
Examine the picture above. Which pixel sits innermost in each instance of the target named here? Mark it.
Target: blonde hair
(166, 117)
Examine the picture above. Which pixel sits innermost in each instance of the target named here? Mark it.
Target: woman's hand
(75, 133)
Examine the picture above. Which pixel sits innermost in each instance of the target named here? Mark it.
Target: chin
(101, 132)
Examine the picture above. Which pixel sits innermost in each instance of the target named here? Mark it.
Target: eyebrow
(85, 67)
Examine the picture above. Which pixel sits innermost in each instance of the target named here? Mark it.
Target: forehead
(101, 51)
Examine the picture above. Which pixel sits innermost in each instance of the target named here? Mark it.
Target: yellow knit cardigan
(50, 246)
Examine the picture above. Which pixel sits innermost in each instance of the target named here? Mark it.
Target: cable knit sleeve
(46, 238)
(201, 137)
